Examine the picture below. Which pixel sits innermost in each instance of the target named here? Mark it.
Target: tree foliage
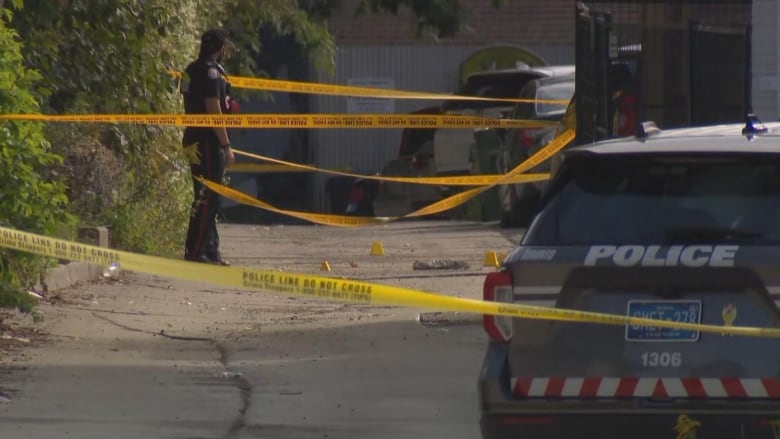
(440, 18)
(31, 197)
(248, 20)
(113, 56)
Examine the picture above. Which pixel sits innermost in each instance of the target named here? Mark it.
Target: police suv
(683, 225)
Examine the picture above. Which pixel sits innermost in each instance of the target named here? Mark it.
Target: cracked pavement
(150, 357)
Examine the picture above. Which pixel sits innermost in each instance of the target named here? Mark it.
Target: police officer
(205, 91)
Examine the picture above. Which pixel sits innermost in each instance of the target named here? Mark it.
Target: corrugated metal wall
(766, 59)
(417, 68)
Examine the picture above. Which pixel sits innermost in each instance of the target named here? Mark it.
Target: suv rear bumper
(541, 425)
(503, 415)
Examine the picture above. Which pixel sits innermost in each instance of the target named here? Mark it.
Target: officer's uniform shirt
(203, 79)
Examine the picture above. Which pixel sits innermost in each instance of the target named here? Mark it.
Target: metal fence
(688, 62)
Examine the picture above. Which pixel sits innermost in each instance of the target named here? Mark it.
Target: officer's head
(212, 41)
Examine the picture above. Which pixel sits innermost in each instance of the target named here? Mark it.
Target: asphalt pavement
(391, 380)
(385, 380)
(149, 357)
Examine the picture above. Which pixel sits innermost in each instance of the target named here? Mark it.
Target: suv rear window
(499, 85)
(560, 91)
(662, 199)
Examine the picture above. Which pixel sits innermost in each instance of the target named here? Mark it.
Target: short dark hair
(211, 41)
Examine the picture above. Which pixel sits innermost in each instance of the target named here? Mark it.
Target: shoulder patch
(213, 73)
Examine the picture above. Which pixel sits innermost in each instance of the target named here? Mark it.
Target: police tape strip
(317, 218)
(297, 121)
(356, 221)
(540, 156)
(440, 206)
(261, 167)
(355, 91)
(465, 180)
(328, 288)
(340, 220)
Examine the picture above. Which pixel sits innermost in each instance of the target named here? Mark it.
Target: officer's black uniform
(205, 78)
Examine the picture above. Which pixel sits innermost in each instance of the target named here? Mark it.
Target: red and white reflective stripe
(657, 388)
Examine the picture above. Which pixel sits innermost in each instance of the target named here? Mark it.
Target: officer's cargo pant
(202, 236)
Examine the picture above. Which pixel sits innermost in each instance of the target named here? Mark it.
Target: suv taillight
(498, 288)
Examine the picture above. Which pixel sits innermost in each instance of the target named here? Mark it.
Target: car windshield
(652, 199)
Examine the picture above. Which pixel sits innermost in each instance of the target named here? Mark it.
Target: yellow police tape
(354, 91)
(261, 167)
(344, 290)
(298, 121)
(464, 180)
(537, 158)
(440, 206)
(316, 218)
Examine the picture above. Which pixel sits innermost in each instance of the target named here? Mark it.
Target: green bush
(112, 56)
(160, 228)
(31, 196)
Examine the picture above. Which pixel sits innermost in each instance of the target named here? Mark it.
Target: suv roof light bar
(647, 129)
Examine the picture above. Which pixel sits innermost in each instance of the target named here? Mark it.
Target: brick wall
(519, 22)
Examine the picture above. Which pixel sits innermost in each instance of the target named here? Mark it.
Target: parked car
(681, 226)
(445, 152)
(452, 146)
(517, 202)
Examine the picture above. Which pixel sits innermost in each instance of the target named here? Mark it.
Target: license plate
(687, 311)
